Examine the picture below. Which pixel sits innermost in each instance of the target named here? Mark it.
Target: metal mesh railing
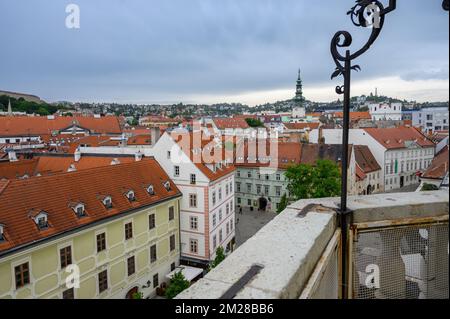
(324, 283)
(402, 262)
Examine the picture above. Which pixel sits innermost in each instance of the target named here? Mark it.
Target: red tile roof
(439, 166)
(365, 159)
(231, 123)
(284, 153)
(60, 164)
(393, 138)
(333, 152)
(140, 140)
(54, 194)
(354, 116)
(204, 150)
(42, 125)
(54, 164)
(13, 170)
(315, 114)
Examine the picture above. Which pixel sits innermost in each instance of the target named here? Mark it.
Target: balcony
(398, 248)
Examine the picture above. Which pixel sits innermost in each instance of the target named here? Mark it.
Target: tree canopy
(220, 256)
(314, 181)
(177, 284)
(254, 122)
(21, 105)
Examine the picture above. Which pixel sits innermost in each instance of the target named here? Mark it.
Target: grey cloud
(149, 49)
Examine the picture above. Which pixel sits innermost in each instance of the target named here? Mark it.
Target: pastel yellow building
(116, 226)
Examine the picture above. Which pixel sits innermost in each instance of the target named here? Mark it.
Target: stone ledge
(288, 248)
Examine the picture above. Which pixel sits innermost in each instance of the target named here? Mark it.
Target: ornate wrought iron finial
(366, 13)
(446, 5)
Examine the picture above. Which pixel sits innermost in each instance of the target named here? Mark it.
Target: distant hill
(21, 104)
(26, 97)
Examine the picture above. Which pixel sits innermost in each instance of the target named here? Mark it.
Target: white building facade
(207, 208)
(431, 119)
(401, 154)
(386, 111)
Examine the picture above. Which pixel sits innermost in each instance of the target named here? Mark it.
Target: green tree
(138, 295)
(318, 181)
(429, 187)
(254, 122)
(283, 204)
(220, 256)
(177, 284)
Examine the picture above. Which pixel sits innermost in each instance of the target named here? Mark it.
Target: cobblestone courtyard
(249, 223)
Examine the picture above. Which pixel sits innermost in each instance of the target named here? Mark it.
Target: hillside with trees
(21, 105)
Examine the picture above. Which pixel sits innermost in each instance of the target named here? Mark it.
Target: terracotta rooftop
(42, 125)
(203, 151)
(230, 123)
(365, 159)
(354, 116)
(13, 170)
(46, 164)
(313, 152)
(56, 194)
(315, 114)
(285, 154)
(398, 137)
(439, 166)
(159, 119)
(60, 164)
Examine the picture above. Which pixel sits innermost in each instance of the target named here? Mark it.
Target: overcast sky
(207, 51)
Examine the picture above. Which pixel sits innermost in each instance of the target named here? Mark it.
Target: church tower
(299, 99)
(10, 112)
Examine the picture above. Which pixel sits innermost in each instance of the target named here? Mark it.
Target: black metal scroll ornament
(366, 13)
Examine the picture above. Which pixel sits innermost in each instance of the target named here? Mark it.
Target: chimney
(138, 156)
(12, 156)
(77, 155)
(321, 138)
(155, 135)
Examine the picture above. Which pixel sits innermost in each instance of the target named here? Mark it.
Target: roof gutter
(84, 227)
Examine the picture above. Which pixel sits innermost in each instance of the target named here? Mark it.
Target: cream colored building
(39, 248)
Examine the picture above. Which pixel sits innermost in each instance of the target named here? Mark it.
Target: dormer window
(107, 202)
(131, 196)
(41, 220)
(167, 186)
(150, 190)
(78, 209)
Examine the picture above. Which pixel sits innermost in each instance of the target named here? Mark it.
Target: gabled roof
(439, 166)
(53, 194)
(398, 137)
(42, 125)
(365, 159)
(198, 147)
